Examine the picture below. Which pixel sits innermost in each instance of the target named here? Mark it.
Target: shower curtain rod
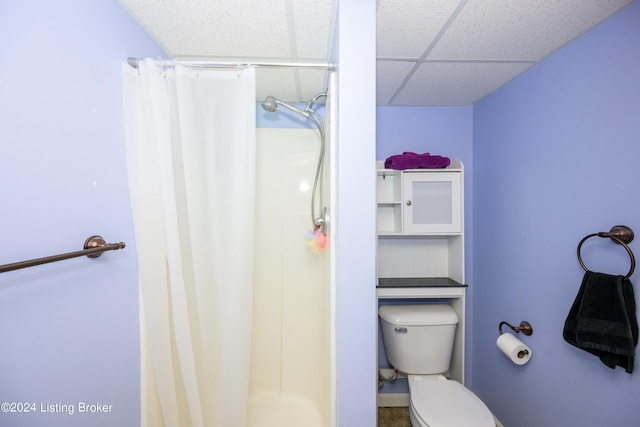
(330, 66)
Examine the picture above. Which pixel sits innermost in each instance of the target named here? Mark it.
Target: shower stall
(291, 372)
(233, 236)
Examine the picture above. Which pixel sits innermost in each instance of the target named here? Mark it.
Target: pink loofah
(316, 240)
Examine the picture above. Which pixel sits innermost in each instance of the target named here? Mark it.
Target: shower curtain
(191, 163)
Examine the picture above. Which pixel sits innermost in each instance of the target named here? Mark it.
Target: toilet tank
(418, 339)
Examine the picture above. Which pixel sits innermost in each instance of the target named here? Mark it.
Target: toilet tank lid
(418, 314)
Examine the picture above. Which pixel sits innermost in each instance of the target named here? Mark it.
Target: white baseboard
(387, 400)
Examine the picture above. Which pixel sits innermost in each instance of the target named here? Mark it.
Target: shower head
(271, 103)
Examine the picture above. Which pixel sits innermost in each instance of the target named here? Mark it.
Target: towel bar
(94, 246)
(620, 234)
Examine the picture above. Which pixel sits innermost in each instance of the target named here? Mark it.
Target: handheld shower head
(271, 104)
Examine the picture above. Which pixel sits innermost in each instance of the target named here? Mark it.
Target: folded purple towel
(409, 160)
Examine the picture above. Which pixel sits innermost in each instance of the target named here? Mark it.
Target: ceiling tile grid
(456, 83)
(519, 29)
(430, 52)
(481, 45)
(405, 30)
(390, 75)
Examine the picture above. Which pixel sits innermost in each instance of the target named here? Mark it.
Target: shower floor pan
(282, 410)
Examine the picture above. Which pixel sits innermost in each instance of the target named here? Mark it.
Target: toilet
(418, 340)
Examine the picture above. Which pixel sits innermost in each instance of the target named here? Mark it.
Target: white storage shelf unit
(420, 227)
(420, 223)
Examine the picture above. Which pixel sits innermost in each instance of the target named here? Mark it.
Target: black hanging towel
(602, 320)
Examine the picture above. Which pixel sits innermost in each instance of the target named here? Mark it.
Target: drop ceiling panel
(312, 82)
(312, 29)
(406, 29)
(293, 85)
(276, 82)
(389, 77)
(216, 28)
(456, 83)
(519, 29)
(430, 52)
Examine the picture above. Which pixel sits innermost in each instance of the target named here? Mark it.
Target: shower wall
(291, 355)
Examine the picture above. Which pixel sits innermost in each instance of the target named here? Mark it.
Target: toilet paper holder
(525, 328)
(515, 350)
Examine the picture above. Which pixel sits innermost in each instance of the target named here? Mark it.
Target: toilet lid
(444, 403)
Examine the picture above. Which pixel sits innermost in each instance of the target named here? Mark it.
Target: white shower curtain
(191, 157)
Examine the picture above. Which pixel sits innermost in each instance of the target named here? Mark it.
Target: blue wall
(556, 156)
(439, 130)
(354, 223)
(69, 330)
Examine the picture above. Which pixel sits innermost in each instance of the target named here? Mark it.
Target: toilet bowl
(418, 340)
(438, 402)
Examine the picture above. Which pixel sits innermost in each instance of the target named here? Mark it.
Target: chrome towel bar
(94, 246)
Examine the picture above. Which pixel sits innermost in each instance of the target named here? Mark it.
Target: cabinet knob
(408, 202)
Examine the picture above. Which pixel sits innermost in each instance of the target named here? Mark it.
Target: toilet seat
(447, 403)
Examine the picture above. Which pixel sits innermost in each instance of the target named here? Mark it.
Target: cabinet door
(432, 202)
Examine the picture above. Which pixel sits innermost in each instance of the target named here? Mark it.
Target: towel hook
(620, 234)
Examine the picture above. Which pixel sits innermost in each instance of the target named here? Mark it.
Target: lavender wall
(438, 130)
(354, 215)
(556, 158)
(70, 329)
(446, 131)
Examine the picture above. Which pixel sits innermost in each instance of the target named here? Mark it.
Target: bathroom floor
(393, 417)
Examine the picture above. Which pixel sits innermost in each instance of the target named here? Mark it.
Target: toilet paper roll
(514, 349)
